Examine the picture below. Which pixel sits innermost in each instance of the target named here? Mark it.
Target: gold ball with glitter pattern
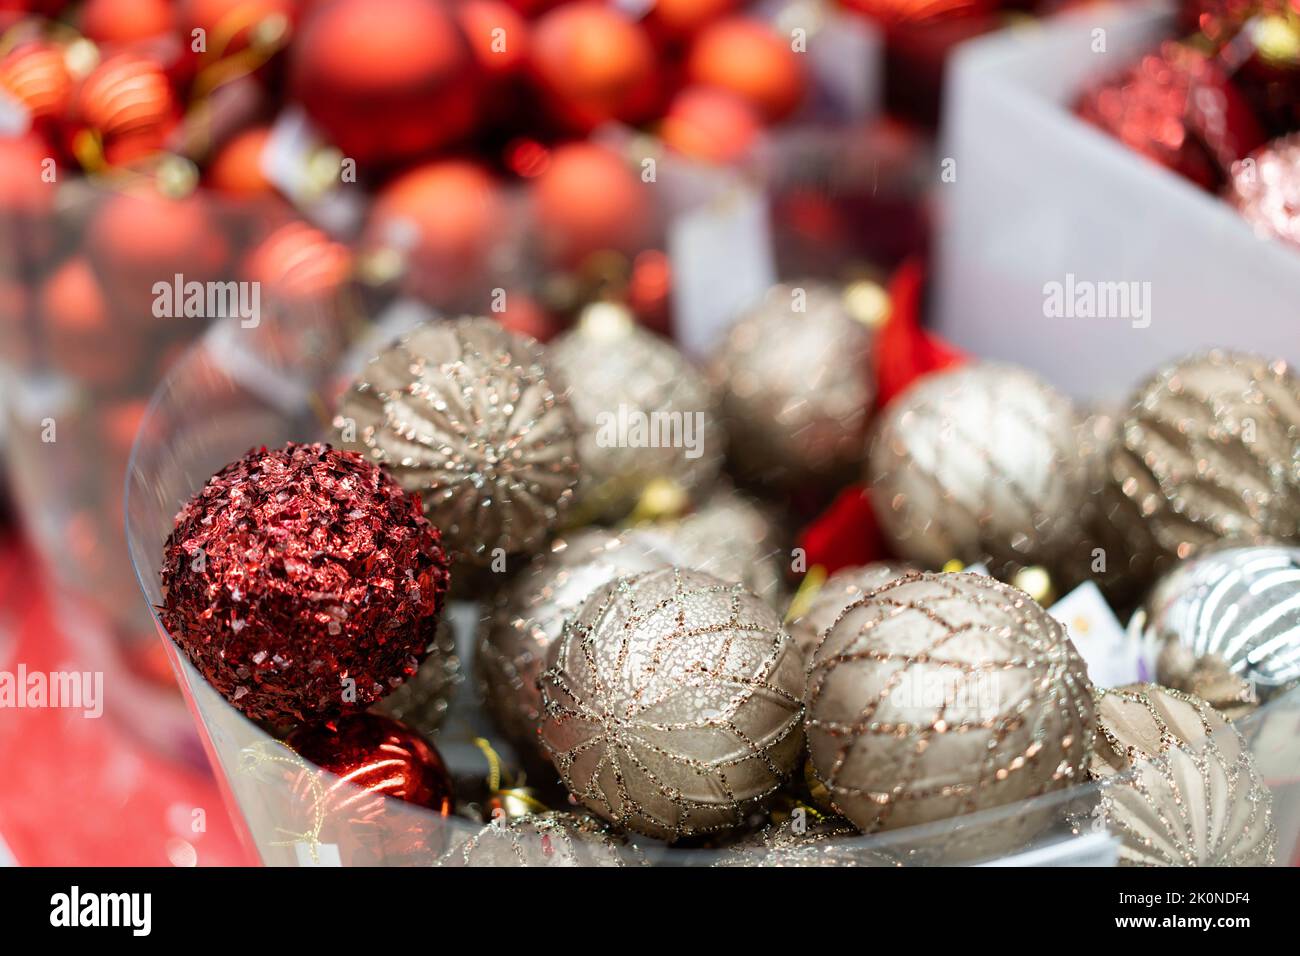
(471, 418)
(673, 704)
(644, 413)
(1208, 450)
(978, 464)
(1178, 784)
(938, 695)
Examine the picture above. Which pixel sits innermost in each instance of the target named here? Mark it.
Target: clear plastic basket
(230, 393)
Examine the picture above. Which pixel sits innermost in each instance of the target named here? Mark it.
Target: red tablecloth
(85, 792)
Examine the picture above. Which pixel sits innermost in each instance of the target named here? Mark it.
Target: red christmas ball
(710, 124)
(684, 18)
(137, 239)
(113, 22)
(298, 265)
(236, 169)
(83, 339)
(375, 757)
(593, 64)
(27, 198)
(1178, 108)
(524, 315)
(387, 84)
(377, 761)
(36, 75)
(498, 36)
(303, 582)
(127, 102)
(588, 200)
(444, 217)
(750, 59)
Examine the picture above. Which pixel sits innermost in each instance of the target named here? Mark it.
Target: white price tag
(327, 854)
(1113, 658)
(286, 160)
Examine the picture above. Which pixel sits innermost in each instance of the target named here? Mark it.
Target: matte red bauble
(443, 217)
(385, 82)
(112, 22)
(137, 239)
(752, 60)
(589, 200)
(593, 64)
(83, 339)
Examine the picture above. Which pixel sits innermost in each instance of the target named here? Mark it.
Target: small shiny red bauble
(128, 103)
(375, 756)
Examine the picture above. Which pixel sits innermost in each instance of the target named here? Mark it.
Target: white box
(1039, 196)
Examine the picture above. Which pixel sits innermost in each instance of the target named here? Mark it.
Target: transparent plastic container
(230, 393)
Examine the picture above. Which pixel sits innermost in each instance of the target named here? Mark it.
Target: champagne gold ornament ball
(544, 839)
(937, 695)
(421, 702)
(1209, 449)
(471, 418)
(644, 413)
(978, 464)
(837, 592)
(673, 704)
(733, 537)
(829, 841)
(795, 386)
(526, 616)
(1178, 784)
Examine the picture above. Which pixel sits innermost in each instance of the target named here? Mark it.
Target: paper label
(286, 161)
(327, 854)
(1113, 658)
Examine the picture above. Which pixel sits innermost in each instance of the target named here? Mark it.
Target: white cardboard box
(1040, 196)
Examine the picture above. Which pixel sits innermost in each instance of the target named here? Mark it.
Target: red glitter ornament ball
(303, 582)
(388, 83)
(374, 757)
(1177, 107)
